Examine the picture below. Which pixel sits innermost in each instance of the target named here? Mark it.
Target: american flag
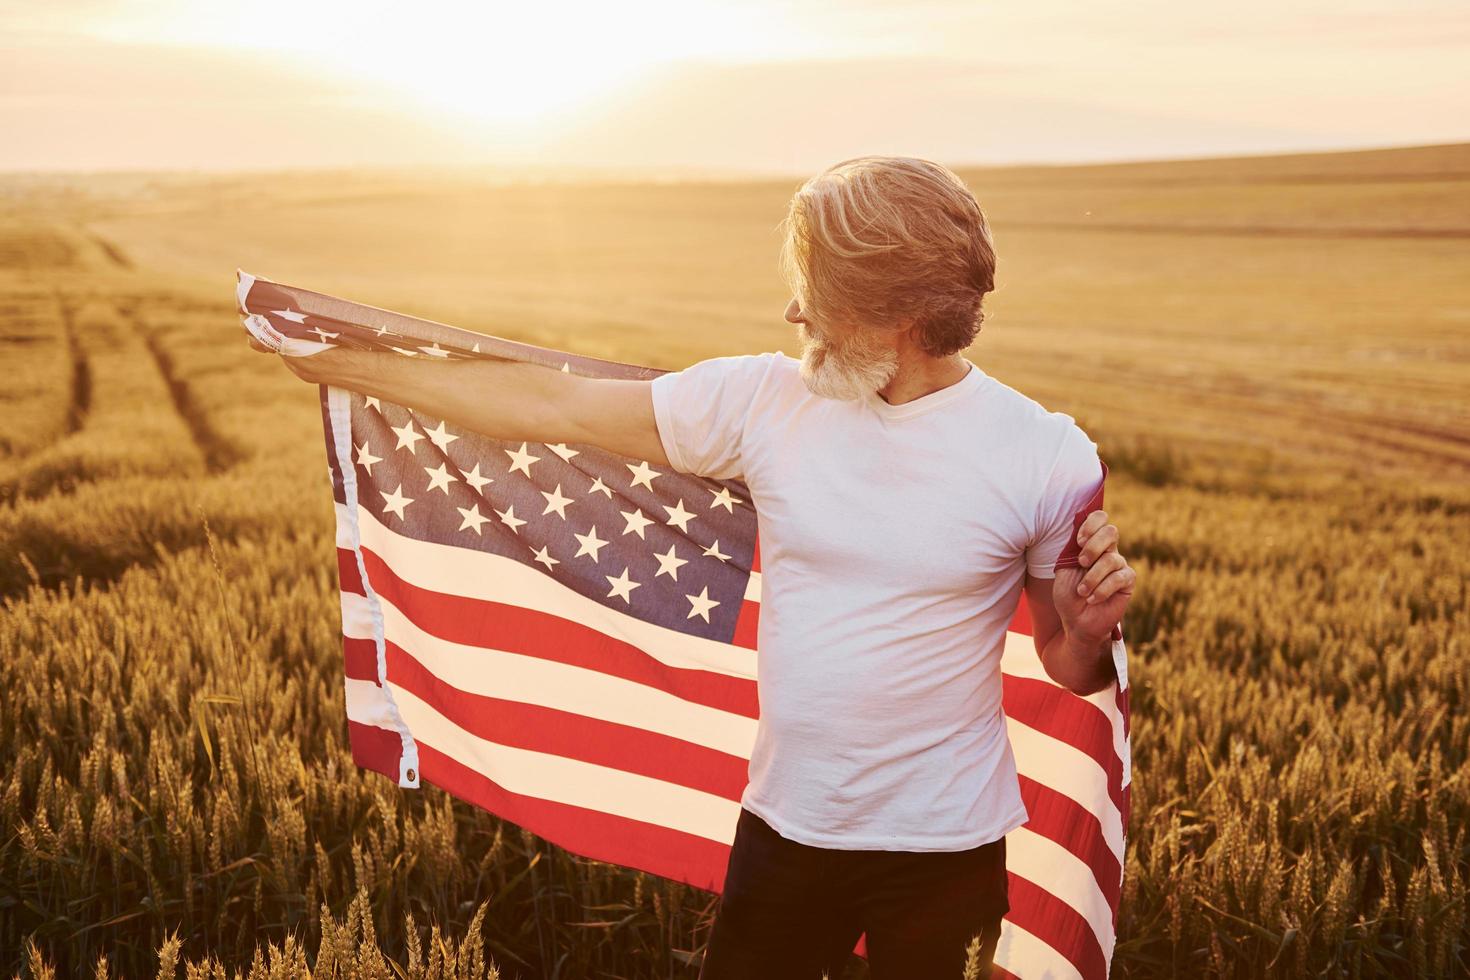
(566, 638)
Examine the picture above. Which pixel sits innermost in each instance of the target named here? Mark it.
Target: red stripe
(362, 658)
(1057, 924)
(347, 575)
(377, 749)
(747, 624)
(669, 853)
(539, 728)
(1067, 718)
(1059, 818)
(503, 626)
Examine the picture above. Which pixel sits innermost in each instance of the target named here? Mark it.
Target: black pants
(790, 911)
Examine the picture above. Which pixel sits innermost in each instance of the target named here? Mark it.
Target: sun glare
(493, 63)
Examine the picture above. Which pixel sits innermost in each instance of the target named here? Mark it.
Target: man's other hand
(319, 368)
(1092, 597)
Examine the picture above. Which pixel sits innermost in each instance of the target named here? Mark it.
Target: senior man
(905, 499)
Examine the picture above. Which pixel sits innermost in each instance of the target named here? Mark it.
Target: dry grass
(1287, 421)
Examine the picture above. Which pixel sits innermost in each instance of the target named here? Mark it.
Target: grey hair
(879, 239)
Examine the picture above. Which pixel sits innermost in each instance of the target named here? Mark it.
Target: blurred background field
(1272, 353)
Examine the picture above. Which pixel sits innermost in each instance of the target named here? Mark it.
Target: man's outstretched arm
(503, 399)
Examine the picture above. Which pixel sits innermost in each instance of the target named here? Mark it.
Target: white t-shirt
(894, 539)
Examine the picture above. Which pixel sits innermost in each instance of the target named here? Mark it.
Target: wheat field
(1272, 353)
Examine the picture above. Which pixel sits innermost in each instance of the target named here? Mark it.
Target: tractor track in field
(80, 399)
(218, 452)
(114, 254)
(52, 563)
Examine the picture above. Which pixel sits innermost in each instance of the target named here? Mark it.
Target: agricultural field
(1272, 353)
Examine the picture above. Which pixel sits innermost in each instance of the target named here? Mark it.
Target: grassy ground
(1272, 355)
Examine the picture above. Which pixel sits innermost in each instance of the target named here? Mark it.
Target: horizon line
(658, 172)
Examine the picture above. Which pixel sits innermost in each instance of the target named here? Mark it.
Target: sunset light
(491, 63)
(752, 86)
(615, 488)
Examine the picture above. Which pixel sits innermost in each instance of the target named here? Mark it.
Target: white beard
(862, 364)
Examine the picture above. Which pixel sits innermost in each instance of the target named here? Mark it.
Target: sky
(737, 86)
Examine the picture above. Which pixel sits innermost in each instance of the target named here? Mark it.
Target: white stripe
(496, 578)
(367, 704)
(553, 777)
(535, 680)
(1029, 958)
(1115, 716)
(1068, 771)
(1120, 663)
(1019, 659)
(753, 587)
(1050, 866)
(244, 281)
(339, 414)
(358, 622)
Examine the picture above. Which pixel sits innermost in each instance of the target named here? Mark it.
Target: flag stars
(622, 586)
(324, 334)
(407, 437)
(440, 477)
(521, 460)
(590, 543)
(678, 515)
(509, 519)
(435, 350)
(440, 436)
(366, 459)
(396, 502)
(642, 473)
(713, 551)
(472, 518)
(474, 479)
(668, 563)
(599, 487)
(556, 502)
(292, 315)
(544, 558)
(371, 401)
(702, 604)
(560, 448)
(724, 498)
(636, 522)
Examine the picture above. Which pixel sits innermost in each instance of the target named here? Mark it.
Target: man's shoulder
(1027, 418)
(726, 370)
(780, 371)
